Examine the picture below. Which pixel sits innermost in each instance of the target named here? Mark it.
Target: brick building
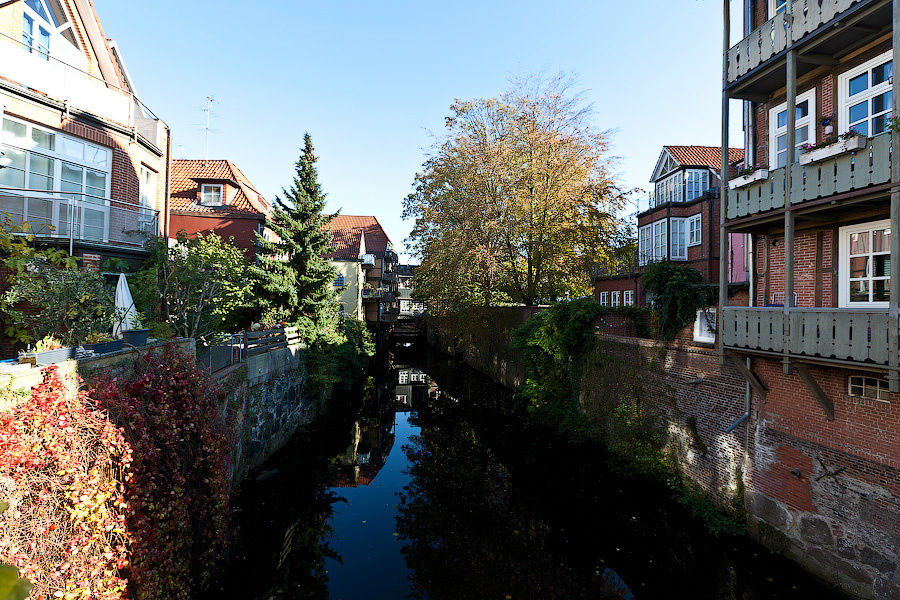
(678, 221)
(818, 344)
(84, 160)
(214, 196)
(367, 270)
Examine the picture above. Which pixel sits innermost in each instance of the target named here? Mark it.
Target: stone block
(770, 511)
(876, 559)
(816, 531)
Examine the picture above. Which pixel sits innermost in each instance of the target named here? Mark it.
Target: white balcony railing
(80, 217)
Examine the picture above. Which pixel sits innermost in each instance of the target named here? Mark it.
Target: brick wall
(815, 276)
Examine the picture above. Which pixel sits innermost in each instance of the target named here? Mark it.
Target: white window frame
(695, 226)
(628, 298)
(614, 299)
(809, 121)
(774, 7)
(645, 244)
(864, 383)
(696, 183)
(678, 231)
(844, 102)
(57, 200)
(844, 266)
(604, 298)
(205, 187)
(148, 187)
(670, 188)
(705, 332)
(660, 240)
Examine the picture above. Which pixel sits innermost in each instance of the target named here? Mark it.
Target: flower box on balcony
(48, 357)
(745, 180)
(848, 144)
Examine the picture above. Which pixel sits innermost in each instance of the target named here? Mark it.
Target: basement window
(705, 326)
(871, 388)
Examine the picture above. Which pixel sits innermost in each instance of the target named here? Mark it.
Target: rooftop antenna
(210, 100)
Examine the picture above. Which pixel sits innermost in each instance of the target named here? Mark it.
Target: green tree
(516, 200)
(293, 280)
(677, 292)
(198, 286)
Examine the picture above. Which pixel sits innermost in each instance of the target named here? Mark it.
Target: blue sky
(369, 80)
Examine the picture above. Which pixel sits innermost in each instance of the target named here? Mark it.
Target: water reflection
(428, 484)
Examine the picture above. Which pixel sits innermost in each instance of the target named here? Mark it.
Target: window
(777, 6)
(659, 240)
(148, 187)
(697, 183)
(55, 168)
(615, 299)
(865, 269)
(670, 189)
(805, 117)
(695, 235)
(37, 22)
(868, 387)
(211, 194)
(705, 326)
(865, 98)
(339, 280)
(628, 298)
(679, 247)
(645, 248)
(604, 298)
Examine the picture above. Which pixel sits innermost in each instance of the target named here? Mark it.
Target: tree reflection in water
(466, 532)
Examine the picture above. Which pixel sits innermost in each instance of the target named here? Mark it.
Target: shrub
(178, 499)
(73, 304)
(63, 472)
(677, 293)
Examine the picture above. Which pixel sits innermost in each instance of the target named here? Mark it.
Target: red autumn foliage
(119, 494)
(64, 468)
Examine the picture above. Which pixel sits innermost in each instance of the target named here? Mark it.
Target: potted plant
(137, 335)
(748, 175)
(833, 145)
(47, 351)
(102, 343)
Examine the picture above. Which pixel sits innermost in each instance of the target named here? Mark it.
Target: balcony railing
(845, 173)
(76, 88)
(372, 293)
(651, 200)
(847, 335)
(93, 219)
(619, 266)
(771, 38)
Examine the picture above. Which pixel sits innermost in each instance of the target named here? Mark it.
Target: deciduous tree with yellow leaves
(516, 200)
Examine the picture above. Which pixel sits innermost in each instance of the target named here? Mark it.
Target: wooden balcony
(848, 172)
(833, 335)
(822, 30)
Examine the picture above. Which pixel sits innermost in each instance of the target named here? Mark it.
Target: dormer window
(42, 21)
(211, 194)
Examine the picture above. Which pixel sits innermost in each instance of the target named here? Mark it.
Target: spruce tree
(294, 281)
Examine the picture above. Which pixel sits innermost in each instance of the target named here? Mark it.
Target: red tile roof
(186, 175)
(347, 230)
(707, 156)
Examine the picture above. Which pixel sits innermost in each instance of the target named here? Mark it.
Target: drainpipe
(746, 415)
(167, 185)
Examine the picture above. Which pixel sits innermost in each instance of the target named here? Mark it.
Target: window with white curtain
(645, 244)
(615, 299)
(660, 237)
(604, 298)
(864, 273)
(679, 241)
(628, 298)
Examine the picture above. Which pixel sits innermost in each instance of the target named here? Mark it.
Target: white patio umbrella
(125, 306)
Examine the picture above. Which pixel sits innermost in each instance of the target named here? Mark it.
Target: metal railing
(833, 333)
(843, 173)
(219, 351)
(619, 266)
(372, 293)
(80, 217)
(76, 88)
(771, 37)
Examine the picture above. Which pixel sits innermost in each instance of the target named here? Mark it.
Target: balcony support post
(788, 212)
(894, 304)
(723, 180)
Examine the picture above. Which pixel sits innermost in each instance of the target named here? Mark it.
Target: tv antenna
(210, 100)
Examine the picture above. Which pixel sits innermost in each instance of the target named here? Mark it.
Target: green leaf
(11, 587)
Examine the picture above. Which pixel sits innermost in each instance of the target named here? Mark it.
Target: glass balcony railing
(79, 217)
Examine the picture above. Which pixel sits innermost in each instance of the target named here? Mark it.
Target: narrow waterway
(426, 484)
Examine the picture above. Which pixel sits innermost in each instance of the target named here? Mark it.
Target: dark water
(426, 484)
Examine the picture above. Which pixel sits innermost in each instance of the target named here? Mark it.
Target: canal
(425, 483)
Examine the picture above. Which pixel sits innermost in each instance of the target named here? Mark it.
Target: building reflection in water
(372, 435)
